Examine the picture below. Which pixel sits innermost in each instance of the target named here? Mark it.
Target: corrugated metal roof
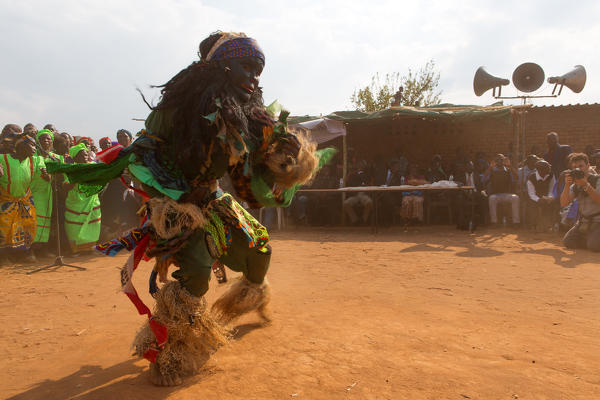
(570, 105)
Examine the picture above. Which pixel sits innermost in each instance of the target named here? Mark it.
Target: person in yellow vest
(17, 210)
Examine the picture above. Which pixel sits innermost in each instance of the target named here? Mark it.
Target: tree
(417, 88)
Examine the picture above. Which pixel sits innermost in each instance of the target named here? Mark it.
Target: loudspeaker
(484, 81)
(574, 80)
(528, 77)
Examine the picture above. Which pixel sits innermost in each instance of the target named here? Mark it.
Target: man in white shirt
(542, 205)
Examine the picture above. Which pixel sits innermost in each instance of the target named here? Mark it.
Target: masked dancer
(210, 121)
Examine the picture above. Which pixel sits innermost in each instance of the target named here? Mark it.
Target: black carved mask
(243, 75)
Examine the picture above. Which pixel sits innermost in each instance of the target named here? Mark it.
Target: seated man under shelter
(500, 177)
(541, 204)
(358, 201)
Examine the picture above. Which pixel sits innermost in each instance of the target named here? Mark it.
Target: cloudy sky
(77, 63)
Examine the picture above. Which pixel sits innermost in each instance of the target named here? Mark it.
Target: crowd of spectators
(39, 210)
(541, 193)
(556, 191)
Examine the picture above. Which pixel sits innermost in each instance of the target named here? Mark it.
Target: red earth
(427, 313)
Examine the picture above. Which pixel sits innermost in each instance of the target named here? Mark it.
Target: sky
(77, 63)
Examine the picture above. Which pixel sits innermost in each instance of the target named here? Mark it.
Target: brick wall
(419, 140)
(577, 125)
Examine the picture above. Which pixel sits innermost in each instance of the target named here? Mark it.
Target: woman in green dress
(41, 189)
(17, 210)
(82, 214)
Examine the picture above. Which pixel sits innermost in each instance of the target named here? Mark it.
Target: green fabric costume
(17, 210)
(229, 234)
(82, 219)
(42, 198)
(17, 178)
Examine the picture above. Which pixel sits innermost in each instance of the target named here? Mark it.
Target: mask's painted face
(45, 142)
(243, 74)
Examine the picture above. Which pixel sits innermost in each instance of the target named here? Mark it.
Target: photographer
(580, 184)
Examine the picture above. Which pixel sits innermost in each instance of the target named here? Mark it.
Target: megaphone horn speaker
(484, 81)
(574, 80)
(528, 77)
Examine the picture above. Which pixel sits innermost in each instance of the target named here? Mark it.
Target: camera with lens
(576, 173)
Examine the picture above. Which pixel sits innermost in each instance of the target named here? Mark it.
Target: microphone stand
(59, 259)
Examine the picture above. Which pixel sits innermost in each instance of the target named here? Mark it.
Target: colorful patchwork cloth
(18, 221)
(128, 242)
(234, 216)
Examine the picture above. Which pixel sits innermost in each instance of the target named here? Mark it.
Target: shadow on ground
(128, 379)
(443, 238)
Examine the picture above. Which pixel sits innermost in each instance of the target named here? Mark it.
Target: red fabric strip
(159, 330)
(81, 213)
(144, 195)
(81, 223)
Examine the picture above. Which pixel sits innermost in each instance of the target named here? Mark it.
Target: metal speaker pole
(484, 81)
(574, 80)
(528, 77)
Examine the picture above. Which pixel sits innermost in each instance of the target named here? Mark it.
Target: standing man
(580, 184)
(557, 154)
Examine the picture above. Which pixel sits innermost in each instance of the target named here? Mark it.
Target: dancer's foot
(264, 314)
(242, 297)
(159, 379)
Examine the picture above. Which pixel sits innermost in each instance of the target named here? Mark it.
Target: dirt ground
(428, 313)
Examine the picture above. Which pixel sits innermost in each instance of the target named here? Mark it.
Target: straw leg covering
(193, 335)
(243, 296)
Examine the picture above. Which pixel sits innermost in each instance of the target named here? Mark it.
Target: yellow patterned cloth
(18, 221)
